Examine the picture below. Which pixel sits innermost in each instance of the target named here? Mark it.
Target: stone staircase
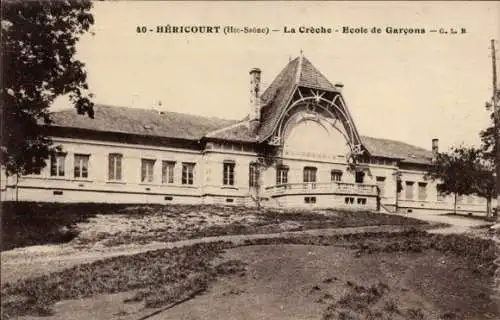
(386, 209)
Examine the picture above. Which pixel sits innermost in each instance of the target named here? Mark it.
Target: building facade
(298, 147)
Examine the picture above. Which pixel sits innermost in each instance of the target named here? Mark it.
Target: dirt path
(31, 261)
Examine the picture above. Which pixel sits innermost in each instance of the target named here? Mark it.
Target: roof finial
(299, 68)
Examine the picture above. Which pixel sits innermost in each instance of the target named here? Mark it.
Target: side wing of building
(298, 147)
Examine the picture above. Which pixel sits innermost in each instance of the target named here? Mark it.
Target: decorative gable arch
(328, 108)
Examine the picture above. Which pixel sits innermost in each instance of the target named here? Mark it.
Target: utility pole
(496, 110)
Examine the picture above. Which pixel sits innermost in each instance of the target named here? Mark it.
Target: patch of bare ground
(305, 281)
(409, 275)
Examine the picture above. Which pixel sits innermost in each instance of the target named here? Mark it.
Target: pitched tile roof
(298, 72)
(141, 122)
(184, 126)
(311, 77)
(376, 146)
(396, 150)
(236, 132)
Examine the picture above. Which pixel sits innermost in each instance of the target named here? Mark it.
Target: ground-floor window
(167, 172)
(57, 165)
(187, 173)
(381, 185)
(81, 166)
(281, 175)
(422, 191)
(309, 177)
(359, 177)
(147, 170)
(440, 195)
(228, 173)
(115, 166)
(253, 175)
(409, 190)
(310, 174)
(336, 175)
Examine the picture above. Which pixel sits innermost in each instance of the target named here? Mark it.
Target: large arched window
(314, 139)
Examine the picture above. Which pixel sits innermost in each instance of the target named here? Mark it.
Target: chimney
(339, 86)
(254, 112)
(435, 149)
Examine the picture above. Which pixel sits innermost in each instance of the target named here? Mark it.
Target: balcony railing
(324, 187)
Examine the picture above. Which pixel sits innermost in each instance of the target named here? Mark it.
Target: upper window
(147, 170)
(187, 173)
(115, 166)
(253, 175)
(167, 171)
(81, 166)
(228, 173)
(57, 163)
(310, 174)
(336, 175)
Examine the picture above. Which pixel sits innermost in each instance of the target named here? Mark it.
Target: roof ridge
(99, 105)
(278, 77)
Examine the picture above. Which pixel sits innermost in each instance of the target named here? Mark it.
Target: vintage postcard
(250, 160)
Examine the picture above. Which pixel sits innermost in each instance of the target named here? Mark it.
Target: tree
(488, 146)
(38, 57)
(488, 143)
(485, 185)
(458, 172)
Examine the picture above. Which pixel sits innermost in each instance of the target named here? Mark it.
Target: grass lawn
(409, 275)
(84, 225)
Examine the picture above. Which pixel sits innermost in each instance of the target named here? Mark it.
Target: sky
(411, 88)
